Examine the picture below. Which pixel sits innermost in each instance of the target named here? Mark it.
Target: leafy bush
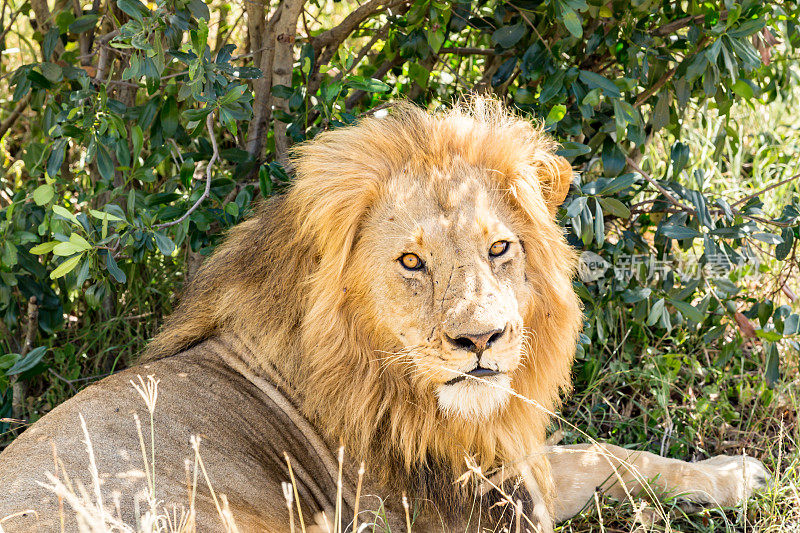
(137, 137)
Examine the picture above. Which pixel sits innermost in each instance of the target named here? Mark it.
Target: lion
(409, 299)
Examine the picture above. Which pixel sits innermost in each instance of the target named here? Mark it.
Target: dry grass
(775, 509)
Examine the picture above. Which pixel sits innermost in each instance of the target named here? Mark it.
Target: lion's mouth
(477, 372)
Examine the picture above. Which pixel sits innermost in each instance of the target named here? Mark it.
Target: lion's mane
(285, 279)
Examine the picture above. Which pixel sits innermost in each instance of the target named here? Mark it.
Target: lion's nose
(477, 342)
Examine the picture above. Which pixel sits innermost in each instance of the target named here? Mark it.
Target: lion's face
(452, 287)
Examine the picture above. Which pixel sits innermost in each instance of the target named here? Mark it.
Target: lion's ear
(555, 177)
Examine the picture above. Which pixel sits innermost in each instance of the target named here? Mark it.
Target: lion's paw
(725, 480)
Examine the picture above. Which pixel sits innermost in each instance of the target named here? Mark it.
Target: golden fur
(281, 276)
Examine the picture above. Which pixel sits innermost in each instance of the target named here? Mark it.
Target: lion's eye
(411, 262)
(498, 248)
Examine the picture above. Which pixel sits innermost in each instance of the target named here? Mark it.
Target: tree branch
(18, 387)
(15, 114)
(334, 37)
(209, 172)
(262, 102)
(681, 23)
(644, 95)
(256, 20)
(282, 63)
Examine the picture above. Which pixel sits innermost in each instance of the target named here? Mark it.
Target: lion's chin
(474, 399)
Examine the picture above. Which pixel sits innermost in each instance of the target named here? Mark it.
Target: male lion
(409, 297)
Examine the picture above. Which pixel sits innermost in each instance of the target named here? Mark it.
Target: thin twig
(467, 51)
(10, 23)
(62, 378)
(762, 191)
(209, 172)
(642, 98)
(533, 27)
(644, 95)
(674, 201)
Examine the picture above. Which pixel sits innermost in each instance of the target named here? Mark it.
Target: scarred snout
(476, 342)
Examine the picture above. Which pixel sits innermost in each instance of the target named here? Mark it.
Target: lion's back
(241, 445)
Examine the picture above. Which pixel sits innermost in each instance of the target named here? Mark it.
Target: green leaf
(79, 241)
(772, 371)
(615, 207)
(105, 165)
(114, 270)
(66, 249)
(102, 215)
(165, 244)
(264, 182)
(66, 267)
(747, 28)
(572, 22)
(169, 117)
(30, 360)
(247, 73)
(370, 85)
(576, 206)
(199, 9)
(199, 37)
(556, 113)
(660, 116)
(56, 158)
(679, 232)
(599, 224)
(573, 149)
(51, 71)
(592, 98)
(84, 23)
(58, 210)
(133, 8)
(49, 43)
(131, 201)
(232, 209)
(137, 138)
(618, 184)
(435, 39)
(83, 272)
(679, 155)
(613, 158)
(43, 194)
(508, 36)
(688, 310)
(743, 89)
(9, 255)
(624, 110)
(44, 248)
(768, 238)
(783, 249)
(655, 312)
(593, 80)
(791, 326)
